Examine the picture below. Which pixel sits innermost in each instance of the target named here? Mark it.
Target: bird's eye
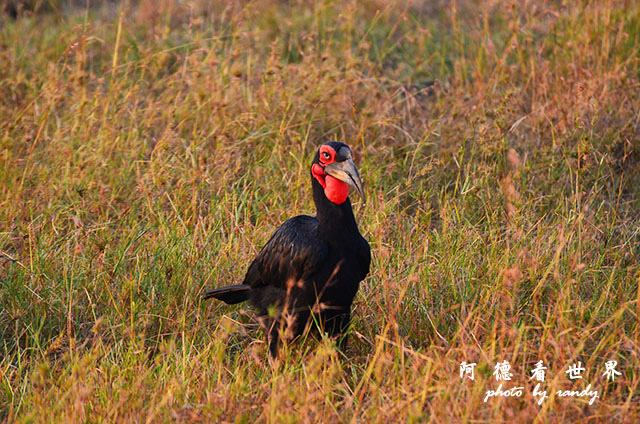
(325, 156)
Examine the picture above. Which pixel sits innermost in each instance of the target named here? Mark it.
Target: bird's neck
(336, 222)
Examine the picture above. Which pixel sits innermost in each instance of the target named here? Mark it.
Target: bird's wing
(294, 252)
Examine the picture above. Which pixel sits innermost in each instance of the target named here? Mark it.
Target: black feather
(230, 294)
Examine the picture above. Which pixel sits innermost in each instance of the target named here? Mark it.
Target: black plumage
(311, 268)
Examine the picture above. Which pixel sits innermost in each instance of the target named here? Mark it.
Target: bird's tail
(229, 294)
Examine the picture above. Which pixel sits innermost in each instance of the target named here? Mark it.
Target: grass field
(149, 149)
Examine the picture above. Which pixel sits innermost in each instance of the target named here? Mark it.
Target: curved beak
(347, 172)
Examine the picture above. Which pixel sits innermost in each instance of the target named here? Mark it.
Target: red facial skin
(335, 190)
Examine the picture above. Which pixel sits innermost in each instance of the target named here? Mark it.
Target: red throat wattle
(335, 190)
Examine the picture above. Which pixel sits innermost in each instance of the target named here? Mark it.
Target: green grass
(148, 151)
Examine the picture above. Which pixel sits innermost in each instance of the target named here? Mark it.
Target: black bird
(311, 268)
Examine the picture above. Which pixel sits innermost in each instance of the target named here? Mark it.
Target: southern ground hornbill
(311, 268)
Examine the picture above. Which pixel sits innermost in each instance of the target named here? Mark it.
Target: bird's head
(334, 169)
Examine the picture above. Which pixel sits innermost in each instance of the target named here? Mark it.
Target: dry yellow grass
(149, 149)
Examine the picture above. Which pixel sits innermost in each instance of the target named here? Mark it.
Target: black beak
(347, 172)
